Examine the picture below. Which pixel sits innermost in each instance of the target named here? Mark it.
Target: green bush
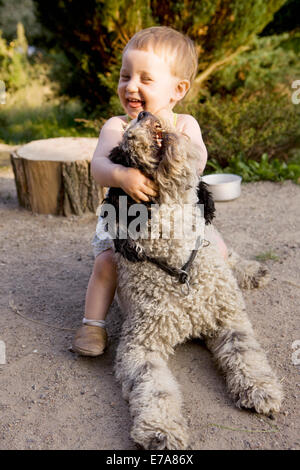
(14, 65)
(271, 62)
(285, 19)
(32, 109)
(264, 169)
(94, 36)
(248, 125)
(19, 11)
(248, 110)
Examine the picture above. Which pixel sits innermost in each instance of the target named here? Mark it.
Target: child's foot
(90, 341)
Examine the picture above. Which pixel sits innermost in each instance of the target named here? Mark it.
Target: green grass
(34, 113)
(267, 255)
(33, 109)
(266, 169)
(44, 122)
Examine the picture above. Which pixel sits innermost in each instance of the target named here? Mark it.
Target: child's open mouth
(135, 103)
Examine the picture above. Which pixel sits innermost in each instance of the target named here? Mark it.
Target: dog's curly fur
(126, 246)
(158, 316)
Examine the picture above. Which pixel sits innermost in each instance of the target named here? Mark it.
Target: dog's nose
(143, 115)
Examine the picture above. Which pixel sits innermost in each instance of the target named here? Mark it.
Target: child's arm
(109, 174)
(192, 129)
(105, 172)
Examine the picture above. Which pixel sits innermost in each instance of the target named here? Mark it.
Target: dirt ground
(53, 399)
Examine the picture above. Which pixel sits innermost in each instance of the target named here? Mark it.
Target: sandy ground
(53, 399)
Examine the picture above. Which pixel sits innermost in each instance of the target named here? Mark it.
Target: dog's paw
(264, 400)
(149, 438)
(161, 441)
(255, 275)
(251, 274)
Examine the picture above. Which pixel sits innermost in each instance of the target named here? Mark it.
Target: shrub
(285, 19)
(94, 36)
(248, 125)
(264, 169)
(271, 62)
(14, 64)
(19, 11)
(32, 109)
(248, 110)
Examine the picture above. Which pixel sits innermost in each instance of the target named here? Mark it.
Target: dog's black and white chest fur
(161, 155)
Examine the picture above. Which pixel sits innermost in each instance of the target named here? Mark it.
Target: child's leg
(91, 338)
(101, 287)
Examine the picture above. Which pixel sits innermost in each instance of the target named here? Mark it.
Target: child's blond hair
(176, 48)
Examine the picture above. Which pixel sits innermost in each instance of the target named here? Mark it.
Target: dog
(172, 289)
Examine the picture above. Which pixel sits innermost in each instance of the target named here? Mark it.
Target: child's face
(146, 83)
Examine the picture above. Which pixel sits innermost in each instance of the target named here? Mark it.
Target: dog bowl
(223, 186)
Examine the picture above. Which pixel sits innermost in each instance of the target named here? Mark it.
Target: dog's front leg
(248, 273)
(250, 379)
(153, 395)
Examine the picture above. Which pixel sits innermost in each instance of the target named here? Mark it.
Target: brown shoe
(90, 340)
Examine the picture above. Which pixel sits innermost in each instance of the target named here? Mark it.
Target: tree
(18, 11)
(285, 19)
(93, 34)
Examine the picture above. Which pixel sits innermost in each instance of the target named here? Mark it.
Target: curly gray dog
(159, 314)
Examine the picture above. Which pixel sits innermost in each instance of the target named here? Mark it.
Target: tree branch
(203, 76)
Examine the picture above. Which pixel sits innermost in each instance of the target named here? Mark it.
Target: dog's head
(161, 154)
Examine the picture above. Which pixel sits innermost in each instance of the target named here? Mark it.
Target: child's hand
(138, 186)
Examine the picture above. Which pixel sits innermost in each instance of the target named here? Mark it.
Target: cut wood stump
(53, 176)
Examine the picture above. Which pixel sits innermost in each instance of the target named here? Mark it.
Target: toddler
(159, 65)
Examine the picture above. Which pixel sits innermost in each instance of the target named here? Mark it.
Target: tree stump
(53, 176)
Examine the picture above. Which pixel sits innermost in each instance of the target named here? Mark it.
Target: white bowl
(223, 186)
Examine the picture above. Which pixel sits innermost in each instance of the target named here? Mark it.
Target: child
(159, 65)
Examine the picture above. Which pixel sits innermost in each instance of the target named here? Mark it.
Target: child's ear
(181, 89)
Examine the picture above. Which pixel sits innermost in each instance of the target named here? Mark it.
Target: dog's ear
(173, 169)
(119, 156)
(205, 198)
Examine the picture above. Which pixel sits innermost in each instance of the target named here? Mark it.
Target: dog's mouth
(155, 132)
(158, 134)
